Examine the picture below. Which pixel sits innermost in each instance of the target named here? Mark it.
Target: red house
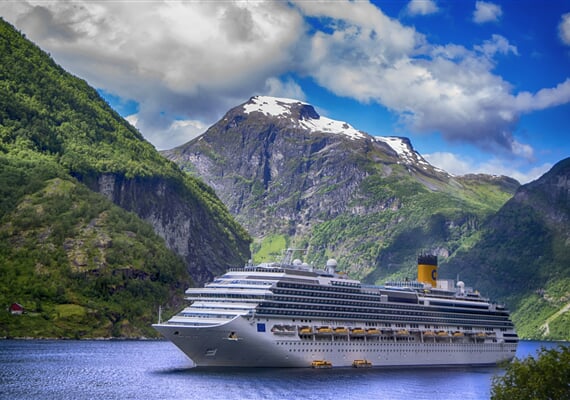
(16, 309)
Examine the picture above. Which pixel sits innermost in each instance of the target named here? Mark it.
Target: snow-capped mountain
(304, 116)
(310, 165)
(283, 169)
(309, 119)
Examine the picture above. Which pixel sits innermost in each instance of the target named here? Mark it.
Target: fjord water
(42, 369)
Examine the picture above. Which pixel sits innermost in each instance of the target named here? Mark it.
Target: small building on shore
(16, 309)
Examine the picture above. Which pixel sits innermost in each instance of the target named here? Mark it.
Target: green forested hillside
(523, 256)
(44, 109)
(438, 221)
(81, 265)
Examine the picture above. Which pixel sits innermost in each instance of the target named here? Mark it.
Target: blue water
(158, 370)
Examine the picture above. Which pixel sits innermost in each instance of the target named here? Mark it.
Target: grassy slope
(416, 219)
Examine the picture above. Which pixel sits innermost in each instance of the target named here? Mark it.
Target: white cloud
(564, 29)
(179, 131)
(190, 60)
(496, 45)
(486, 12)
(450, 162)
(450, 89)
(544, 98)
(460, 165)
(287, 89)
(422, 7)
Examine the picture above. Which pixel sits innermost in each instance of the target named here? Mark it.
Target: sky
(477, 86)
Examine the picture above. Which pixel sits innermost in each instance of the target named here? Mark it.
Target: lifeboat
(372, 331)
(324, 330)
(305, 330)
(361, 364)
(458, 334)
(341, 330)
(357, 331)
(402, 332)
(321, 364)
(429, 333)
(442, 334)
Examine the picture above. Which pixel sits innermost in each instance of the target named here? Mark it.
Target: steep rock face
(371, 202)
(279, 166)
(180, 219)
(549, 195)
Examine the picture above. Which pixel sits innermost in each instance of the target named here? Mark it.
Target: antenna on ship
(159, 314)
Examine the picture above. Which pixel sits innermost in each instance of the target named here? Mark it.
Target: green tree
(545, 377)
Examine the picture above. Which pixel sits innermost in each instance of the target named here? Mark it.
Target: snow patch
(324, 124)
(403, 149)
(280, 107)
(272, 106)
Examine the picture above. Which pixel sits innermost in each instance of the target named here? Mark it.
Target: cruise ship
(290, 314)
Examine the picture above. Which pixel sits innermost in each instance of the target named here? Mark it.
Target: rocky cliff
(185, 220)
(282, 169)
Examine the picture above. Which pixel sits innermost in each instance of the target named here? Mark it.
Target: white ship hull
(295, 316)
(239, 344)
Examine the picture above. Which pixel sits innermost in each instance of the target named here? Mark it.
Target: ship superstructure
(292, 315)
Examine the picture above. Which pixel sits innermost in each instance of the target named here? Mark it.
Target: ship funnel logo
(427, 269)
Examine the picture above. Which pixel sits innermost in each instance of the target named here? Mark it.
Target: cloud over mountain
(185, 63)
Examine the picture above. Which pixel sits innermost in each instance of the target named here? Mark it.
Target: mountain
(97, 229)
(525, 248)
(295, 178)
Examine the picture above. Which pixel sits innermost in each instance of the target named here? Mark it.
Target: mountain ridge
(282, 169)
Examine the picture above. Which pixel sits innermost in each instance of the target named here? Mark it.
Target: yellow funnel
(427, 269)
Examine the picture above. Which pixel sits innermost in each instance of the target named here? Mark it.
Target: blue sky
(478, 86)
